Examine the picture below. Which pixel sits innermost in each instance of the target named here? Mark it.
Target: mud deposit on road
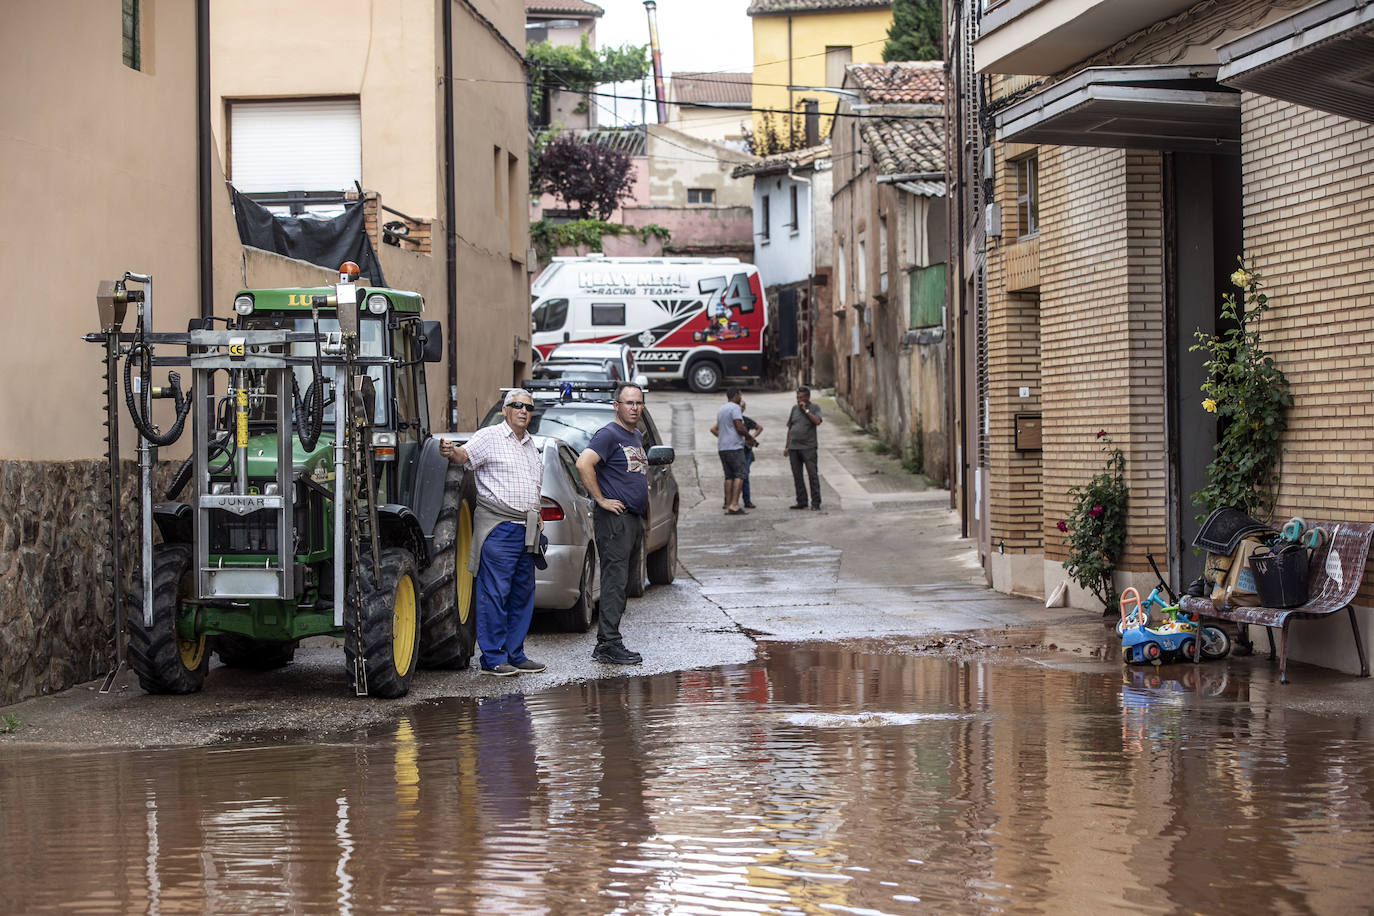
(875, 778)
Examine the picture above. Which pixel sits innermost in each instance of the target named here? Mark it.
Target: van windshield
(550, 315)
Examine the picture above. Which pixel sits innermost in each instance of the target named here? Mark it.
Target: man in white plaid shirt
(505, 537)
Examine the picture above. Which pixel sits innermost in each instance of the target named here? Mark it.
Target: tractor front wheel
(164, 662)
(389, 641)
(448, 622)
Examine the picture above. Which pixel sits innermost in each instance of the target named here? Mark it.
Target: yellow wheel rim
(462, 578)
(192, 652)
(403, 624)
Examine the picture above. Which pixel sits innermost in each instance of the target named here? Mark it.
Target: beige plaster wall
(678, 161)
(386, 55)
(92, 183)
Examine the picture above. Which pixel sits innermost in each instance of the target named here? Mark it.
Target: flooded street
(834, 715)
(812, 780)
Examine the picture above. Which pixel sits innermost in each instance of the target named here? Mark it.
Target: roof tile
(904, 145)
(569, 7)
(693, 88)
(909, 82)
(764, 7)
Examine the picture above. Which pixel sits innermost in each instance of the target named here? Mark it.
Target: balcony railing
(1021, 265)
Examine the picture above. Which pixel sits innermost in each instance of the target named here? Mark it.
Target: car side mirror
(660, 455)
(432, 337)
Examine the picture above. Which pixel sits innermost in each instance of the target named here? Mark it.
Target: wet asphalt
(882, 563)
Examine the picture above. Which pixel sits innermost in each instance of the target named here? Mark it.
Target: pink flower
(1095, 511)
(1061, 526)
(1101, 433)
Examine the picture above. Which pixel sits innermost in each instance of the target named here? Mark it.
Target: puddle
(816, 779)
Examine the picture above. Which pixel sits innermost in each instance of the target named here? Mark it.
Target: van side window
(608, 313)
(550, 315)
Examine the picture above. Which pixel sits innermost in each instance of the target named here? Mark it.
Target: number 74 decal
(736, 293)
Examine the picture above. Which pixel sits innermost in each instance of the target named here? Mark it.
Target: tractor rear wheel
(163, 662)
(236, 651)
(448, 622)
(390, 637)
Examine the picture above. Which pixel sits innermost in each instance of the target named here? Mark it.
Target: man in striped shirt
(505, 536)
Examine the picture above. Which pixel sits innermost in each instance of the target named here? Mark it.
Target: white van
(699, 319)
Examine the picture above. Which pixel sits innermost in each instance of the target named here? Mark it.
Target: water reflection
(814, 780)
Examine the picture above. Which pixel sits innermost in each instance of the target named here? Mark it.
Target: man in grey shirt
(731, 437)
(801, 446)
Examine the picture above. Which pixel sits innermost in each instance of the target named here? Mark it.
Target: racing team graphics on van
(701, 319)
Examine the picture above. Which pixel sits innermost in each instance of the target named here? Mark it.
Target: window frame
(1027, 198)
(607, 305)
(709, 195)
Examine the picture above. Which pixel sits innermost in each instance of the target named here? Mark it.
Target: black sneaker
(798, 506)
(749, 505)
(616, 655)
(530, 666)
(501, 670)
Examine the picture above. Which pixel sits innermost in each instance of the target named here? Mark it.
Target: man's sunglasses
(520, 405)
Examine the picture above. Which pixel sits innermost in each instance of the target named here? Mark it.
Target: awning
(1165, 108)
(1321, 57)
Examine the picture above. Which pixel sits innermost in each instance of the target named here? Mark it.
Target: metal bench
(1334, 574)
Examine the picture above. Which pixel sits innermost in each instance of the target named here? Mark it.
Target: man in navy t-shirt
(615, 470)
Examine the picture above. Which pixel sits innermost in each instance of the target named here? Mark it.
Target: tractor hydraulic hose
(309, 411)
(140, 408)
(220, 443)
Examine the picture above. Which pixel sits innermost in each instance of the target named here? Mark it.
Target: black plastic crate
(1280, 578)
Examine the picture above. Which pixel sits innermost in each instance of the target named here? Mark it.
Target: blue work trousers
(748, 463)
(505, 596)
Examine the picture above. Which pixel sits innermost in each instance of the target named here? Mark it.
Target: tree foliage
(915, 31)
(582, 67)
(585, 175)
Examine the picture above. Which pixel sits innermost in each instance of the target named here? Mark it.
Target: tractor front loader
(328, 513)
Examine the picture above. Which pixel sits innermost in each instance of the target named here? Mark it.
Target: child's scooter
(1176, 635)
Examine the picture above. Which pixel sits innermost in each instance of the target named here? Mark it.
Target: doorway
(1204, 226)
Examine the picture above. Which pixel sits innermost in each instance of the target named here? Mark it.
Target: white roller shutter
(295, 145)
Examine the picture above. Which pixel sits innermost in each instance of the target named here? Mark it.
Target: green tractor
(314, 502)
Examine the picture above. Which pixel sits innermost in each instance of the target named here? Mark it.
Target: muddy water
(810, 781)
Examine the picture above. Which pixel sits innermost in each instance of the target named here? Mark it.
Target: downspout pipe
(450, 217)
(204, 150)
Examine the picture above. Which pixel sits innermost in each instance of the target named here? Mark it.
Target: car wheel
(634, 582)
(578, 618)
(662, 563)
(704, 376)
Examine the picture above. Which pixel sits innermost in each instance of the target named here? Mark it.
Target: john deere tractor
(314, 502)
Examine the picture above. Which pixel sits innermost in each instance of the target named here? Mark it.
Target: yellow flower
(1209, 405)
(1240, 278)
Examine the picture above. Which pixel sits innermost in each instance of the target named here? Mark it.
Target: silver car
(571, 585)
(572, 412)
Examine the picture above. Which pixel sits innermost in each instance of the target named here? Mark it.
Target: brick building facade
(1138, 208)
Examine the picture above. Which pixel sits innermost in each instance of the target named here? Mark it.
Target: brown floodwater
(814, 780)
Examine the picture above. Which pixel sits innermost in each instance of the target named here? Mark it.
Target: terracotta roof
(909, 82)
(764, 7)
(782, 162)
(904, 145)
(567, 7)
(717, 88)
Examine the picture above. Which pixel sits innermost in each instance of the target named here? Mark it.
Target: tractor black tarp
(326, 242)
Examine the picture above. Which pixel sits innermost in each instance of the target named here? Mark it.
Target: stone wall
(56, 627)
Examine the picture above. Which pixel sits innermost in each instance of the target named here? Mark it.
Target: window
(792, 195)
(133, 50)
(608, 314)
(1027, 196)
(764, 219)
(701, 195)
(861, 269)
(882, 255)
(836, 57)
(261, 163)
(550, 314)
